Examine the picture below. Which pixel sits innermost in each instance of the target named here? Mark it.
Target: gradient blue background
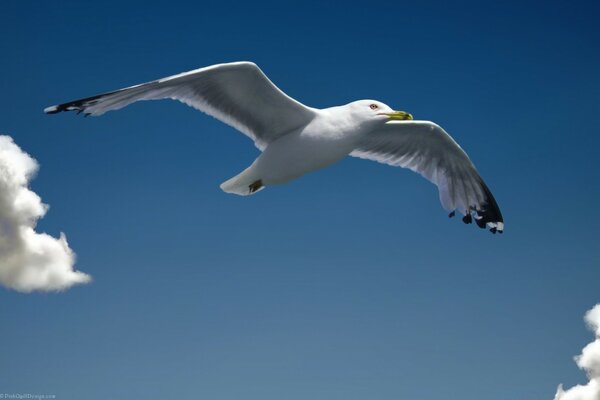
(350, 283)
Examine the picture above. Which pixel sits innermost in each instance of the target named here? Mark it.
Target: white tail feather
(240, 184)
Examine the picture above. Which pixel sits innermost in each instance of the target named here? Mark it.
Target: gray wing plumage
(238, 94)
(427, 149)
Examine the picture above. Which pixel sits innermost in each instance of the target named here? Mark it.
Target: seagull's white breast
(319, 144)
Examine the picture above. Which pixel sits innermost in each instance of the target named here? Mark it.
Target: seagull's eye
(374, 106)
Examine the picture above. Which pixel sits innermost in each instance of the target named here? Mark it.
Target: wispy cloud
(589, 361)
(29, 260)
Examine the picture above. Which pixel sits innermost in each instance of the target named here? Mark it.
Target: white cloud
(29, 260)
(589, 361)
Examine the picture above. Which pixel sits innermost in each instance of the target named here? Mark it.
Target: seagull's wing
(238, 94)
(427, 149)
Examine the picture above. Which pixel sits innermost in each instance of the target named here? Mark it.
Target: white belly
(296, 154)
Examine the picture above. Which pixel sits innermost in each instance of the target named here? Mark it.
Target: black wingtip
(486, 214)
(480, 223)
(80, 105)
(489, 212)
(77, 106)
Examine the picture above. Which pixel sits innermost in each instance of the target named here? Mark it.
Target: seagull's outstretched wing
(426, 148)
(238, 94)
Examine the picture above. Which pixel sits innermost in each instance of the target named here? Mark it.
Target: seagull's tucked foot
(256, 186)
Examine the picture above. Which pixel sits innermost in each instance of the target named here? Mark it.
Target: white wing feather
(427, 149)
(238, 94)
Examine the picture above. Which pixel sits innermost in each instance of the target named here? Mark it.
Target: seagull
(295, 139)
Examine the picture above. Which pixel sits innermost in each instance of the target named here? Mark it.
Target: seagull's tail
(243, 184)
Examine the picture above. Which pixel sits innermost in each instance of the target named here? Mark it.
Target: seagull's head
(373, 110)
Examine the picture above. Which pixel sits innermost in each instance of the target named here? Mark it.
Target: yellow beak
(399, 115)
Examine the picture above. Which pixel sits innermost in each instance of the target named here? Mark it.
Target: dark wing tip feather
(82, 104)
(488, 211)
(77, 105)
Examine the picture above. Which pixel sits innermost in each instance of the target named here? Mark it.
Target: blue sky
(349, 283)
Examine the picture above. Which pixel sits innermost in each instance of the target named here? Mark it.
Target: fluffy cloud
(29, 260)
(589, 361)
